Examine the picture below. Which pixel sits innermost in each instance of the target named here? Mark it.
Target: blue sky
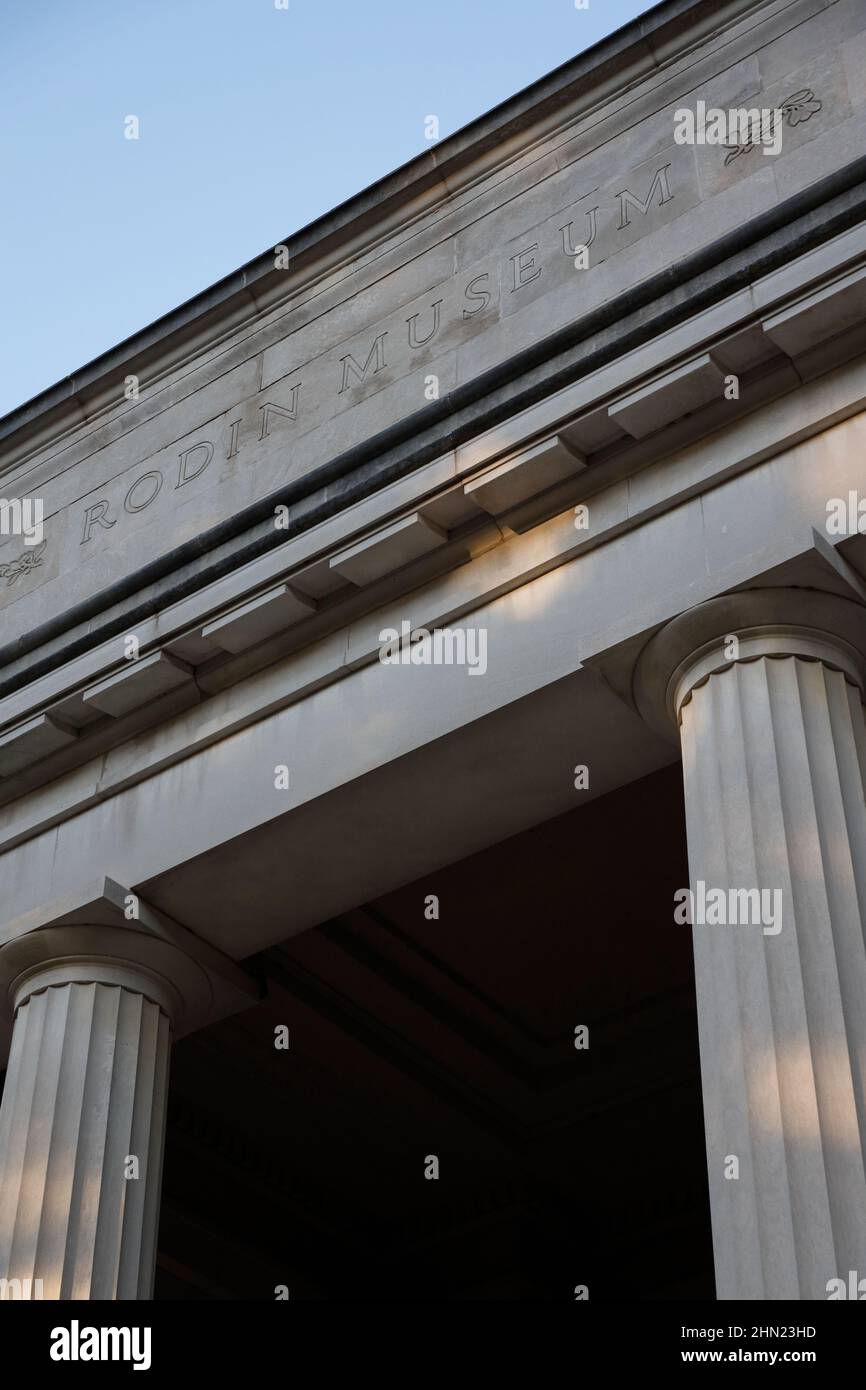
(253, 121)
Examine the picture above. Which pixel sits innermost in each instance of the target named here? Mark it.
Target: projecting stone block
(669, 397)
(260, 618)
(27, 743)
(142, 681)
(518, 479)
(822, 315)
(389, 549)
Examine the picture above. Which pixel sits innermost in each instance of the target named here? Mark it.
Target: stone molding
(89, 939)
(767, 622)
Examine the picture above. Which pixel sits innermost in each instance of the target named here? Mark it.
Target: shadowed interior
(454, 1037)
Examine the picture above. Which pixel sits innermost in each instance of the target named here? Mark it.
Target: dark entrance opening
(419, 1042)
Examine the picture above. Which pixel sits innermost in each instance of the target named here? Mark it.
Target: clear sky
(253, 120)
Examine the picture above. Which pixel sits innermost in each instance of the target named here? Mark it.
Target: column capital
(97, 981)
(92, 953)
(107, 935)
(766, 622)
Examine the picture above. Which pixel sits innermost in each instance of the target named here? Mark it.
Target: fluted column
(767, 689)
(83, 1114)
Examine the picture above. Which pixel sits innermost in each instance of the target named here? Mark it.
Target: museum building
(432, 743)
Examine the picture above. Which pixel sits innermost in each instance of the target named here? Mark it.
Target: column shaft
(85, 1093)
(774, 762)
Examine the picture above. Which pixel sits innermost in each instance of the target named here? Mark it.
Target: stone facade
(432, 408)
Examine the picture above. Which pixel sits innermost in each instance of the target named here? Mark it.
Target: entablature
(637, 436)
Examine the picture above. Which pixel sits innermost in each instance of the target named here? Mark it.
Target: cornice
(73, 699)
(683, 291)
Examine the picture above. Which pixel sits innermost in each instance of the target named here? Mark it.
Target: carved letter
(233, 439)
(94, 516)
(130, 505)
(567, 246)
(184, 475)
(626, 198)
(376, 353)
(471, 293)
(289, 412)
(415, 342)
(524, 270)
